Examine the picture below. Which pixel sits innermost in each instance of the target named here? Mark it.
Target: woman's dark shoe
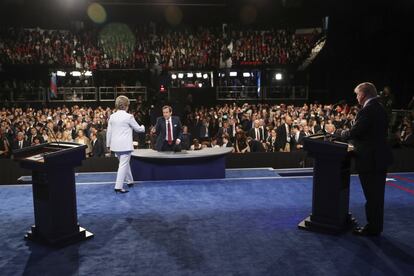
(130, 185)
(122, 191)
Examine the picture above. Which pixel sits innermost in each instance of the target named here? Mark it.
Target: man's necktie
(169, 133)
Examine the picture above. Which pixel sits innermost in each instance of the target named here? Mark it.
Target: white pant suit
(119, 140)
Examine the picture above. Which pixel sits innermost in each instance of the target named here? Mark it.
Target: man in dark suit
(20, 142)
(168, 131)
(98, 149)
(225, 129)
(257, 132)
(297, 139)
(372, 155)
(283, 135)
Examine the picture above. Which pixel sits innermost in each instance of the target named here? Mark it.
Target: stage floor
(245, 224)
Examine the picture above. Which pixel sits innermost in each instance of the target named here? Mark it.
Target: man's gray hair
(368, 89)
(122, 102)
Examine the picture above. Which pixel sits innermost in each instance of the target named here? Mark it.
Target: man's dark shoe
(365, 231)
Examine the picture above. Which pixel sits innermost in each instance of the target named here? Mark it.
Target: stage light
(61, 74)
(190, 75)
(233, 74)
(173, 76)
(278, 76)
(246, 74)
(88, 73)
(96, 13)
(200, 85)
(198, 75)
(75, 73)
(180, 75)
(205, 76)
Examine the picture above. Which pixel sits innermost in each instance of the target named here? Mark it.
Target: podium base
(81, 235)
(310, 225)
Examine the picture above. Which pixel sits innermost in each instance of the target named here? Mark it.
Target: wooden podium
(331, 177)
(54, 192)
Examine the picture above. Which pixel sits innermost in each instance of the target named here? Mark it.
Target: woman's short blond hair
(122, 102)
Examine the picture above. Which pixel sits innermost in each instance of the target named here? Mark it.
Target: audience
(246, 128)
(160, 48)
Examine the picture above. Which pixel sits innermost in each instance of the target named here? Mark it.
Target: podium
(54, 192)
(331, 178)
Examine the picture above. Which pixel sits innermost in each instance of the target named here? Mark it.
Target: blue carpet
(209, 227)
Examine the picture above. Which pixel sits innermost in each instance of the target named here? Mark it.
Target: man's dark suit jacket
(98, 149)
(294, 143)
(256, 146)
(221, 132)
(161, 131)
(369, 135)
(15, 144)
(281, 136)
(262, 132)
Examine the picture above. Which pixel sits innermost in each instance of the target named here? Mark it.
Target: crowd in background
(245, 128)
(118, 46)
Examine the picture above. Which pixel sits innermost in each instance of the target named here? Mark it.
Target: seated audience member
(241, 144)
(408, 139)
(226, 141)
(67, 136)
(213, 143)
(33, 134)
(36, 141)
(271, 141)
(4, 146)
(196, 145)
(82, 139)
(59, 136)
(20, 142)
(186, 139)
(255, 146)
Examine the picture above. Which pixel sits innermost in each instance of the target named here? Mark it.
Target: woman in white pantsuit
(119, 140)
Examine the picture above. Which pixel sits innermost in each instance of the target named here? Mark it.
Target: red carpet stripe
(400, 188)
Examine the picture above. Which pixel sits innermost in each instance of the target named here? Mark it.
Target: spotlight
(190, 75)
(205, 76)
(278, 76)
(200, 85)
(75, 73)
(173, 76)
(88, 73)
(246, 74)
(61, 74)
(233, 74)
(180, 75)
(198, 75)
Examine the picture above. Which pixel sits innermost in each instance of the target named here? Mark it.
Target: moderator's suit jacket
(161, 131)
(369, 133)
(119, 133)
